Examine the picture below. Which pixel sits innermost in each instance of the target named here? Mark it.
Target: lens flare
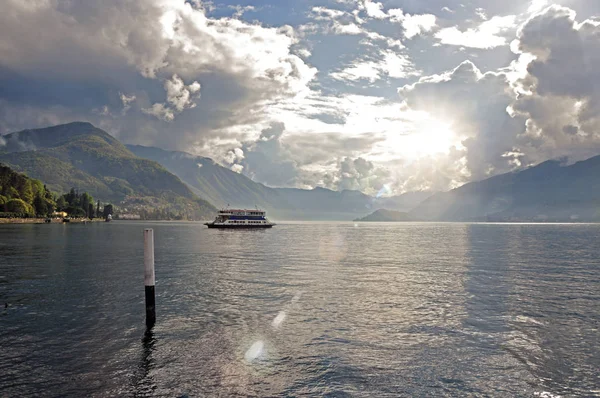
(385, 190)
(255, 351)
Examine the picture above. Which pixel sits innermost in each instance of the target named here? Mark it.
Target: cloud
(326, 14)
(158, 52)
(350, 23)
(389, 64)
(413, 24)
(559, 97)
(486, 35)
(130, 67)
(340, 22)
(126, 100)
(474, 104)
(537, 6)
(359, 174)
(373, 9)
(241, 10)
(367, 70)
(179, 97)
(234, 155)
(238, 168)
(282, 158)
(267, 160)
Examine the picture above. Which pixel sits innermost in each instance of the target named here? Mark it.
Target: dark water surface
(307, 309)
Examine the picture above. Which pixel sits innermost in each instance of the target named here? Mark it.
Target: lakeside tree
(108, 210)
(21, 196)
(76, 204)
(61, 204)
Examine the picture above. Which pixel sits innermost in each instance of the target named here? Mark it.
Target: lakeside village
(41, 205)
(32, 202)
(27, 200)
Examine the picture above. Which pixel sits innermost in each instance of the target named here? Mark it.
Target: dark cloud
(84, 55)
(561, 93)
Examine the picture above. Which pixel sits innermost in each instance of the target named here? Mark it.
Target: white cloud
(396, 65)
(374, 9)
(238, 168)
(418, 24)
(486, 35)
(179, 97)
(347, 29)
(161, 112)
(368, 70)
(234, 155)
(126, 100)
(537, 6)
(240, 10)
(413, 24)
(326, 14)
(389, 63)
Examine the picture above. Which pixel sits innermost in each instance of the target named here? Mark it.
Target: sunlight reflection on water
(304, 309)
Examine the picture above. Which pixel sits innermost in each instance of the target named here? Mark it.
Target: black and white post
(149, 277)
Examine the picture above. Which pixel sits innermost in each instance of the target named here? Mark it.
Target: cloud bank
(342, 94)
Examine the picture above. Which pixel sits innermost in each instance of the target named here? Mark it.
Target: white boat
(240, 218)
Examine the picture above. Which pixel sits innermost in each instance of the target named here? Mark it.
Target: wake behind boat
(240, 218)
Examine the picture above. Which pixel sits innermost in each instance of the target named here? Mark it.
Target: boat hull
(239, 226)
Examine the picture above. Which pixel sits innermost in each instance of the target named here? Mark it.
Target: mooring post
(149, 277)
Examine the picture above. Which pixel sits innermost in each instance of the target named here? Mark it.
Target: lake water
(305, 309)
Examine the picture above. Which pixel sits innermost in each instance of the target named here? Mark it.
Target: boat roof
(242, 210)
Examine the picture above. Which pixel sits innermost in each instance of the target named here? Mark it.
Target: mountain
(222, 187)
(550, 191)
(85, 157)
(219, 185)
(384, 215)
(404, 202)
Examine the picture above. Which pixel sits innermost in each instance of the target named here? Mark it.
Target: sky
(380, 96)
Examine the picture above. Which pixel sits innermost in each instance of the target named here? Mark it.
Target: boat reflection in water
(240, 218)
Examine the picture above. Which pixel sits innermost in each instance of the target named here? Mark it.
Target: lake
(303, 309)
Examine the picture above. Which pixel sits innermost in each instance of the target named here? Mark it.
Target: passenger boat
(240, 218)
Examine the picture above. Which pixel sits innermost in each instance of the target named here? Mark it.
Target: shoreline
(43, 221)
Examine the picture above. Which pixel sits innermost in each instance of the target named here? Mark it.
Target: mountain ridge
(223, 186)
(384, 215)
(549, 191)
(80, 155)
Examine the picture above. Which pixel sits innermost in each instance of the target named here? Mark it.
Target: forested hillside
(21, 196)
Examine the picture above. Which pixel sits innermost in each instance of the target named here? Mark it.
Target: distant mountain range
(223, 187)
(549, 191)
(82, 156)
(383, 215)
(135, 177)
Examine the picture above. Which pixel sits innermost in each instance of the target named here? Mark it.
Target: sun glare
(429, 137)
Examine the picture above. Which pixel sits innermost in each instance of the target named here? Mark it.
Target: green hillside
(82, 156)
(208, 179)
(21, 196)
